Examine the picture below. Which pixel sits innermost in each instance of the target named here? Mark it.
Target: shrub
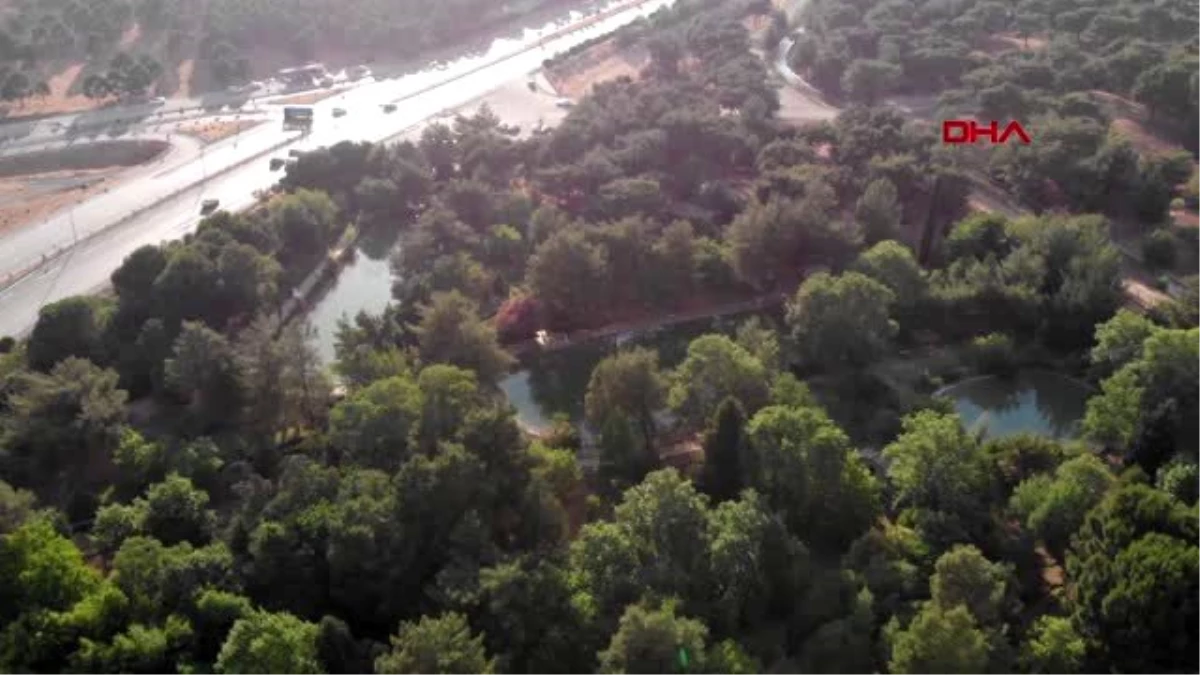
(993, 354)
(517, 319)
(1191, 191)
(1158, 249)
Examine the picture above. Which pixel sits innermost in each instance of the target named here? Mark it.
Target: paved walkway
(560, 341)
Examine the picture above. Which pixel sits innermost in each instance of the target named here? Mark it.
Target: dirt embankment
(86, 157)
(59, 100)
(603, 61)
(35, 185)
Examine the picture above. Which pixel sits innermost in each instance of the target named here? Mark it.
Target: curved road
(95, 237)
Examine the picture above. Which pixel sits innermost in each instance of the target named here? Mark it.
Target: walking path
(562, 341)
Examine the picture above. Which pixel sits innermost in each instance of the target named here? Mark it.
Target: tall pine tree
(722, 451)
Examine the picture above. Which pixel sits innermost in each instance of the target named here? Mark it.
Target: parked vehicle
(208, 206)
(389, 107)
(339, 112)
(276, 163)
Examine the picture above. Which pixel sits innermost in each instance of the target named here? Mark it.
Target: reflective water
(1037, 402)
(550, 383)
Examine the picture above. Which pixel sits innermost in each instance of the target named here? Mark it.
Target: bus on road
(297, 117)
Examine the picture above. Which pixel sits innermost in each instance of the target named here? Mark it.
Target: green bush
(1191, 191)
(1159, 249)
(993, 354)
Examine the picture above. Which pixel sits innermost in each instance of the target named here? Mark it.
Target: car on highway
(208, 206)
(339, 112)
(389, 107)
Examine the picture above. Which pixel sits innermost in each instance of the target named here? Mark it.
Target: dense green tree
(962, 576)
(204, 372)
(270, 642)
(761, 340)
(627, 383)
(443, 644)
(16, 506)
(939, 641)
(1146, 618)
(1119, 341)
(1053, 646)
(1140, 406)
(282, 376)
(373, 426)
(724, 445)
(1054, 508)
(893, 265)
(448, 396)
(1134, 550)
(840, 321)
(138, 649)
(175, 511)
(625, 457)
(187, 288)
(867, 80)
(1181, 480)
(940, 478)
(566, 273)
(978, 236)
(56, 424)
(877, 212)
(42, 570)
(249, 280)
(70, 327)
(766, 238)
(305, 221)
(450, 331)
(804, 465)
(716, 368)
(655, 640)
(528, 618)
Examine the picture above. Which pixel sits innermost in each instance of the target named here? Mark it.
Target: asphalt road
(107, 234)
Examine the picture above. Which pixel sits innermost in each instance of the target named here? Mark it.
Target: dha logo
(957, 132)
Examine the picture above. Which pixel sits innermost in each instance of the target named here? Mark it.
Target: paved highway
(107, 234)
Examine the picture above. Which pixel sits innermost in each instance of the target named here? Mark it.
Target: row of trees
(244, 518)
(916, 569)
(1146, 53)
(864, 51)
(224, 33)
(127, 75)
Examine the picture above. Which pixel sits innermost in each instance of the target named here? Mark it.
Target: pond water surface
(1036, 402)
(552, 383)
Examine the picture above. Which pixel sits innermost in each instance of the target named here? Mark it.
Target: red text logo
(970, 131)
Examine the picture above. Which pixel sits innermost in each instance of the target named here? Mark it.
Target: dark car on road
(208, 206)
